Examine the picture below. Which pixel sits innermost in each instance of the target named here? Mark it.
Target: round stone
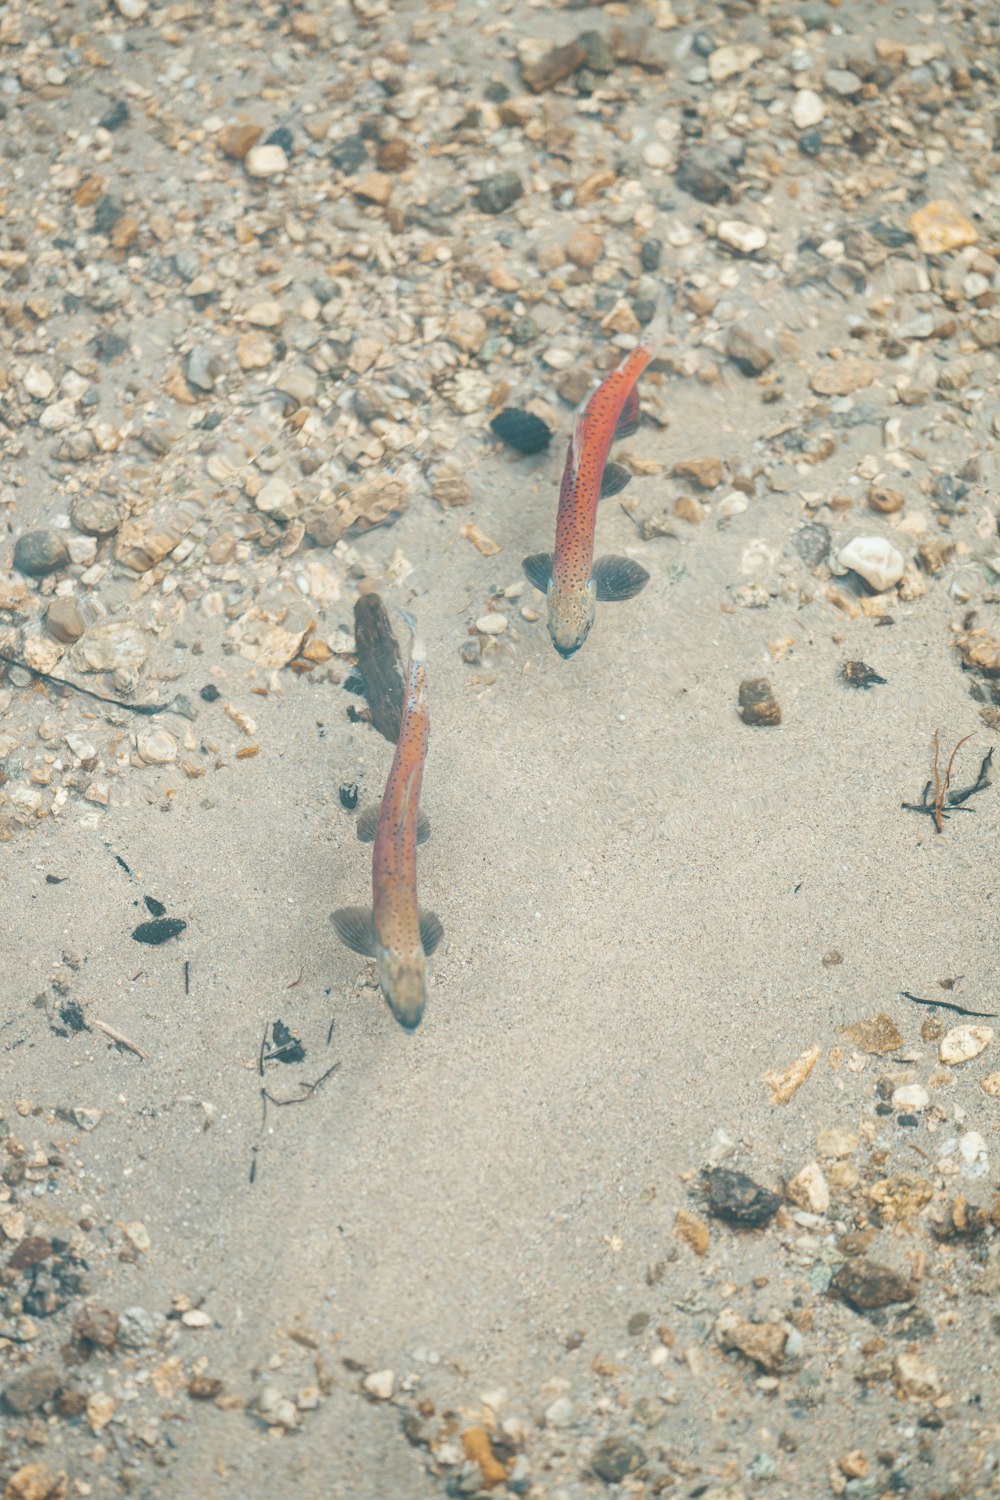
(492, 624)
(96, 515)
(39, 552)
(266, 161)
(807, 109)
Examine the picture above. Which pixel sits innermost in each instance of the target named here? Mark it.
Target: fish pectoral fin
(423, 828)
(355, 926)
(628, 421)
(368, 823)
(616, 477)
(538, 570)
(618, 578)
(431, 931)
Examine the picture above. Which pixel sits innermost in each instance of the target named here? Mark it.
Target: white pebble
(157, 747)
(380, 1384)
(910, 1096)
(38, 383)
(266, 161)
(807, 109)
(492, 624)
(657, 156)
(132, 10)
(875, 560)
(746, 238)
(962, 1043)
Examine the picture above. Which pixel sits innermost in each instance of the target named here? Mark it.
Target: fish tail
(418, 650)
(658, 327)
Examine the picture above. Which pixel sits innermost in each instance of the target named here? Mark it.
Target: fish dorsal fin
(355, 926)
(618, 578)
(538, 570)
(431, 931)
(368, 825)
(616, 477)
(628, 421)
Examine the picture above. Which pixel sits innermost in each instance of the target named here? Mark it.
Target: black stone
(281, 137)
(496, 194)
(349, 795)
(107, 213)
(39, 552)
(116, 117)
(739, 1200)
(520, 430)
(615, 1458)
(159, 931)
(350, 154)
(810, 143)
(651, 254)
(710, 173)
(210, 693)
(154, 907)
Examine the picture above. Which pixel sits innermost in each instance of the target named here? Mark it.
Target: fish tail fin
(418, 650)
(659, 325)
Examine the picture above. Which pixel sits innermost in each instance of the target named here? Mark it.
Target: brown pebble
(706, 472)
(689, 509)
(373, 187)
(757, 703)
(236, 140)
(885, 500)
(584, 247)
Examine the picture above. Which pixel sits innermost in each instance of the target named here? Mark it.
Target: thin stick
(116, 1036)
(938, 794)
(947, 774)
(133, 708)
(310, 1089)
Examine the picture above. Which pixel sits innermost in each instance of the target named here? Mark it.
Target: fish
(571, 580)
(394, 930)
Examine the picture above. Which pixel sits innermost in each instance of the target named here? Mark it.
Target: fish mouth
(409, 1020)
(567, 651)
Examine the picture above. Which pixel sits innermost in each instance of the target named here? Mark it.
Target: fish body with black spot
(571, 580)
(394, 931)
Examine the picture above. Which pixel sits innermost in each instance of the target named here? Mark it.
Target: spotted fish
(394, 931)
(571, 580)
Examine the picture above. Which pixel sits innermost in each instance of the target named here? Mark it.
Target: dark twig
(133, 708)
(310, 1089)
(959, 1010)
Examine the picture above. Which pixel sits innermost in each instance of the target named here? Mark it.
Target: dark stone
(96, 1326)
(866, 1284)
(497, 92)
(30, 1252)
(948, 493)
(812, 543)
(31, 1389)
(349, 795)
(109, 346)
(703, 44)
(810, 143)
(710, 173)
(651, 254)
(494, 195)
(210, 693)
(615, 1458)
(600, 58)
(520, 430)
(116, 117)
(857, 674)
(350, 154)
(281, 137)
(523, 330)
(39, 552)
(154, 907)
(107, 213)
(737, 1199)
(380, 665)
(757, 703)
(159, 931)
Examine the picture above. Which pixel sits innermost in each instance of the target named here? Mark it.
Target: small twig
(291, 985)
(116, 1036)
(959, 1010)
(260, 1055)
(947, 774)
(938, 795)
(310, 1089)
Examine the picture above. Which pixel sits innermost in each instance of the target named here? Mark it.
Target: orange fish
(570, 578)
(394, 931)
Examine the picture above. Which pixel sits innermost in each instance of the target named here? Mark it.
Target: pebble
(494, 195)
(706, 472)
(115, 646)
(711, 173)
(727, 62)
(615, 1458)
(812, 543)
(491, 624)
(836, 1143)
(561, 1413)
(265, 161)
(132, 10)
(840, 377)
(38, 383)
(875, 560)
(842, 81)
(373, 187)
(37, 553)
(939, 227)
(658, 156)
(764, 1343)
(380, 1384)
(275, 1409)
(95, 514)
(202, 367)
(910, 1096)
(915, 1377)
(974, 1154)
(157, 747)
(136, 1327)
(809, 1189)
(865, 1283)
(254, 351)
(991, 1085)
(757, 703)
(101, 1407)
(31, 1388)
(751, 350)
(236, 140)
(808, 109)
(885, 500)
(737, 1199)
(962, 1043)
(278, 498)
(738, 235)
(584, 246)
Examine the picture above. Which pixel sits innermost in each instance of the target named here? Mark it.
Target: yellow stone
(939, 227)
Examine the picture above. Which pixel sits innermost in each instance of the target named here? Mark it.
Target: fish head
(403, 979)
(571, 614)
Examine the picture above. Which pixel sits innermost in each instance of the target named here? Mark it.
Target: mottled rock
(114, 646)
(727, 62)
(901, 1197)
(737, 1199)
(916, 1378)
(749, 348)
(809, 1189)
(31, 1388)
(494, 195)
(615, 1458)
(839, 377)
(865, 1284)
(584, 246)
(764, 1343)
(962, 1043)
(757, 703)
(939, 227)
(96, 515)
(710, 173)
(706, 472)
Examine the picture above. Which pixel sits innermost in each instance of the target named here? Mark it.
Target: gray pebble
(136, 1328)
(202, 367)
(843, 82)
(812, 543)
(32, 1388)
(496, 194)
(96, 515)
(40, 552)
